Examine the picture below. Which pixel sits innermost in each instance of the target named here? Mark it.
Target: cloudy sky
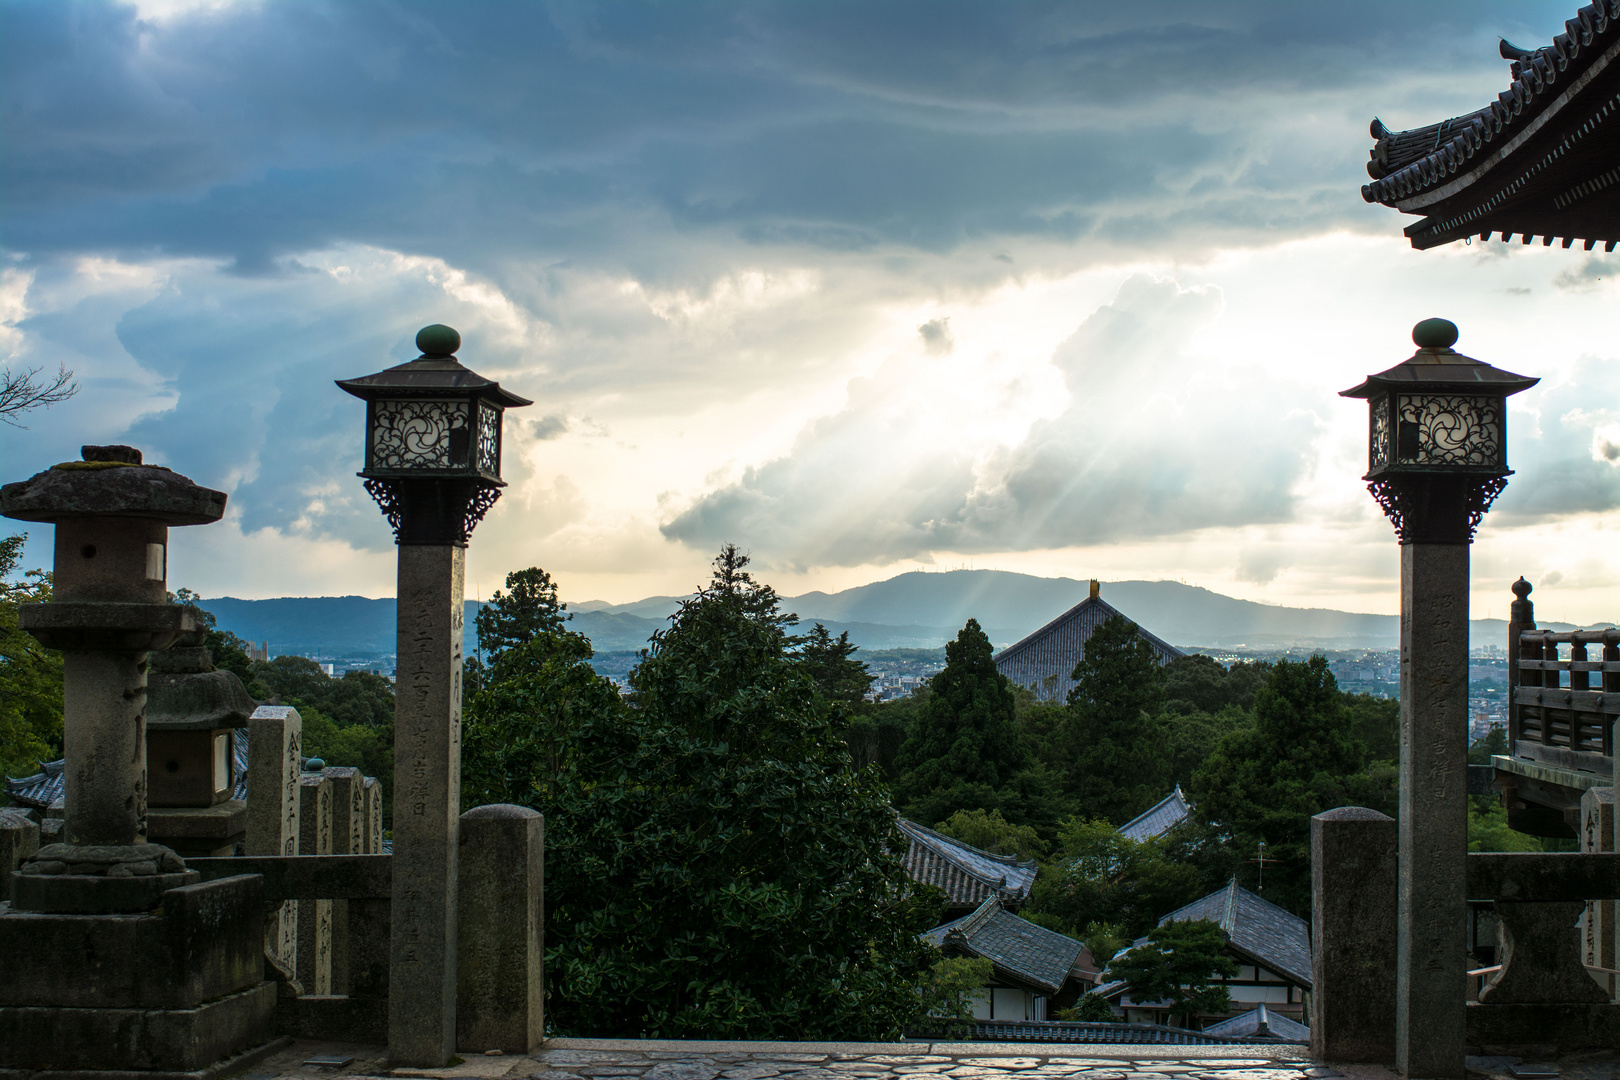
(864, 287)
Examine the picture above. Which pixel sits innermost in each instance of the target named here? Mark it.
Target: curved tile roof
(1020, 951)
(1261, 1021)
(45, 787)
(1160, 819)
(1408, 163)
(1275, 938)
(1057, 647)
(968, 875)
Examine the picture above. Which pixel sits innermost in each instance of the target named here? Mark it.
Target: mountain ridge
(917, 609)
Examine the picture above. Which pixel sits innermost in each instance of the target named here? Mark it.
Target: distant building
(1030, 965)
(1045, 660)
(258, 652)
(967, 875)
(1271, 946)
(1158, 820)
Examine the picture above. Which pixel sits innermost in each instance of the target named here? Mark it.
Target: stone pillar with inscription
(1437, 459)
(1597, 929)
(315, 916)
(433, 463)
(348, 838)
(373, 815)
(275, 741)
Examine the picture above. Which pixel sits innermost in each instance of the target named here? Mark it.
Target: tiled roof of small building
(1020, 951)
(1172, 811)
(968, 875)
(1273, 937)
(1261, 1021)
(41, 789)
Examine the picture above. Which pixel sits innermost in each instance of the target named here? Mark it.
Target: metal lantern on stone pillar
(433, 441)
(433, 463)
(1437, 459)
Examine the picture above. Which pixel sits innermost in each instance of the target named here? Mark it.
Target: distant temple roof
(1542, 159)
(968, 876)
(45, 787)
(1261, 1021)
(1021, 953)
(1045, 660)
(1172, 811)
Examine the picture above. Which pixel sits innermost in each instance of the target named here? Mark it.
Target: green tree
(965, 751)
(987, 830)
(1099, 877)
(228, 651)
(830, 662)
(1090, 1009)
(1264, 782)
(527, 609)
(30, 674)
(1115, 732)
(716, 869)
(952, 984)
(1178, 964)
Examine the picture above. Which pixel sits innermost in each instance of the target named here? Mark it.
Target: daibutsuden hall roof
(1543, 159)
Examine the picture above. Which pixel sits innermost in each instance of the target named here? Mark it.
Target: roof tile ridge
(951, 841)
(1229, 911)
(980, 916)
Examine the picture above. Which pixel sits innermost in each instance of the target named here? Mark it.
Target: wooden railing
(1563, 695)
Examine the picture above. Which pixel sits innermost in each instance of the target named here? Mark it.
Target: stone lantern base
(172, 991)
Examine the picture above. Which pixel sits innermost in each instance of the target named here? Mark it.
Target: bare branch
(22, 391)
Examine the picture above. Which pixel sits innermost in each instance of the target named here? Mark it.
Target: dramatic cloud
(847, 283)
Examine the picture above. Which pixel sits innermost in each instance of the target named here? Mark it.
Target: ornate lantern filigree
(433, 441)
(1437, 438)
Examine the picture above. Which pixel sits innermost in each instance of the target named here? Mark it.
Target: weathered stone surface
(348, 838)
(500, 947)
(67, 1038)
(1431, 961)
(314, 950)
(681, 1072)
(338, 1018)
(373, 816)
(1353, 904)
(19, 838)
(128, 491)
(1598, 932)
(203, 945)
(427, 811)
(197, 700)
(275, 741)
(1540, 956)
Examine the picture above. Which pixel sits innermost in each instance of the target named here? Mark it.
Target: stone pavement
(626, 1059)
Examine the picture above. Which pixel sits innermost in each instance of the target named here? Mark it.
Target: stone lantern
(433, 463)
(110, 609)
(1437, 459)
(115, 956)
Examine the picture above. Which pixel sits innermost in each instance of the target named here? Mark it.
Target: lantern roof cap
(111, 481)
(432, 374)
(1436, 366)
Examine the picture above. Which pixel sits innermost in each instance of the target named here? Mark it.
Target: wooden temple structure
(1543, 159)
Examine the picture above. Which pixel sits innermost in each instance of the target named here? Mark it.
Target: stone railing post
(275, 740)
(1353, 905)
(500, 981)
(1598, 938)
(315, 916)
(348, 838)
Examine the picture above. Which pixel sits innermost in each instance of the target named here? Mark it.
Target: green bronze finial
(1432, 334)
(440, 340)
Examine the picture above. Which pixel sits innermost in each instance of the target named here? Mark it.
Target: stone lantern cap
(111, 481)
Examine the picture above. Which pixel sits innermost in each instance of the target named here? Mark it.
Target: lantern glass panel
(489, 439)
(1448, 429)
(1378, 448)
(418, 434)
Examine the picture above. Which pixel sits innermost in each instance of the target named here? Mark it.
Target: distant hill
(913, 610)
